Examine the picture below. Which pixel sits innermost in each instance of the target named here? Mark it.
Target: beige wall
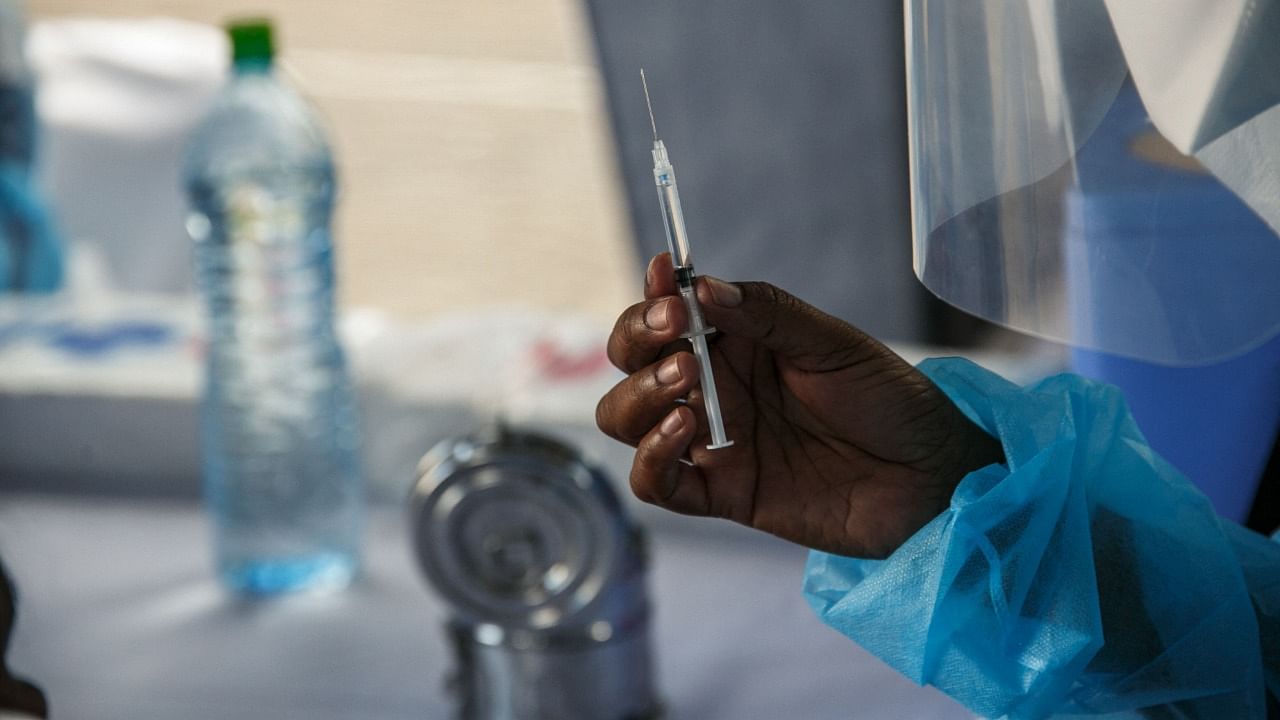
(476, 162)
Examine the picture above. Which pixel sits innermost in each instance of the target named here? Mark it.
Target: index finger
(659, 277)
(643, 332)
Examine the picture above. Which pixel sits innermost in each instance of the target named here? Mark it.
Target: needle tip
(649, 105)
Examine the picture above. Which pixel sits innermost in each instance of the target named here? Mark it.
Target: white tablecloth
(120, 617)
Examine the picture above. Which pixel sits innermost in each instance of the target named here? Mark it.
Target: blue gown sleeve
(1085, 576)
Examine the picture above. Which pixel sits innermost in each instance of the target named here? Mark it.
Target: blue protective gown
(1085, 576)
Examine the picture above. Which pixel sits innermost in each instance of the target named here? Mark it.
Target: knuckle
(620, 413)
(758, 290)
(771, 301)
(604, 415)
(611, 415)
(615, 346)
(628, 346)
(765, 292)
(640, 480)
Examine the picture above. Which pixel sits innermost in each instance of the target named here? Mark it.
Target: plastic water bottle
(279, 429)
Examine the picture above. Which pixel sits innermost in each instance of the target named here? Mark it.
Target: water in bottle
(279, 432)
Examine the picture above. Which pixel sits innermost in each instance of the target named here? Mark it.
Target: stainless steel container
(544, 572)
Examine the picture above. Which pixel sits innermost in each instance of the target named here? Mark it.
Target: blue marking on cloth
(102, 340)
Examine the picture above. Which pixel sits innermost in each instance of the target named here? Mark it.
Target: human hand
(840, 445)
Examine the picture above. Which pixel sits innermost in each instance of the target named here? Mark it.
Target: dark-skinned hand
(840, 445)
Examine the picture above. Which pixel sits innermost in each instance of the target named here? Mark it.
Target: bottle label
(258, 216)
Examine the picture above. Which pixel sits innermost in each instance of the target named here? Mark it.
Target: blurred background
(496, 206)
(496, 210)
(495, 213)
(475, 156)
(485, 147)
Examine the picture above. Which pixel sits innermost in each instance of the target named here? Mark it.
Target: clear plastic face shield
(1104, 173)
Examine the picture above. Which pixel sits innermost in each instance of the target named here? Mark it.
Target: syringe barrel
(697, 325)
(678, 243)
(711, 399)
(664, 176)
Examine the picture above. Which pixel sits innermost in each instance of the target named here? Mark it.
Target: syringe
(678, 243)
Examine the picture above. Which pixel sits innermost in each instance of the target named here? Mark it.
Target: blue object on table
(92, 341)
(30, 252)
(279, 426)
(1086, 577)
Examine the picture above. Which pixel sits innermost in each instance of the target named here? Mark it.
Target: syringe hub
(660, 154)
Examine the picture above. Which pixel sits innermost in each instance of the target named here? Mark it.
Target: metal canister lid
(516, 529)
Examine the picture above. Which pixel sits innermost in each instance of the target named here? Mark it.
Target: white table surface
(120, 617)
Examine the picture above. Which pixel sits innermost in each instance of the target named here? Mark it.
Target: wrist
(970, 448)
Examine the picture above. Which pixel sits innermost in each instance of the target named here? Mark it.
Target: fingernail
(669, 371)
(655, 318)
(725, 294)
(648, 273)
(673, 423)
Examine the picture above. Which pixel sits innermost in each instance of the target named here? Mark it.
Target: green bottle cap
(251, 41)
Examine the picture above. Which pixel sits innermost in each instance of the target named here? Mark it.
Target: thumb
(810, 339)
